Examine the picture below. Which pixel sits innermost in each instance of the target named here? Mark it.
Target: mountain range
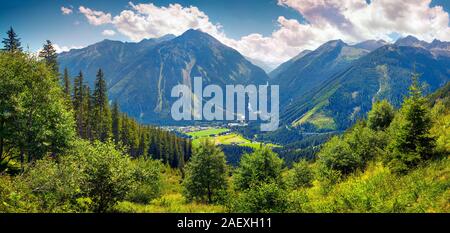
(335, 85)
(140, 76)
(328, 88)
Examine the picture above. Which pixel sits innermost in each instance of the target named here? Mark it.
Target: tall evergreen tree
(101, 112)
(78, 94)
(411, 140)
(115, 115)
(88, 116)
(66, 83)
(12, 42)
(48, 53)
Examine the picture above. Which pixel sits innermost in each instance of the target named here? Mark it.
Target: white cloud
(108, 32)
(66, 10)
(148, 21)
(349, 20)
(359, 20)
(95, 17)
(60, 49)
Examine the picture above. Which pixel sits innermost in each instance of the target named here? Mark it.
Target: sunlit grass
(207, 132)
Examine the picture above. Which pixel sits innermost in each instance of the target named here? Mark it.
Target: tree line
(93, 117)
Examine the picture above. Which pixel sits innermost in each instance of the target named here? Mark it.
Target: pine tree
(48, 53)
(102, 121)
(12, 42)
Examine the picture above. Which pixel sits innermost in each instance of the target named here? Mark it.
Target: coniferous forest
(66, 147)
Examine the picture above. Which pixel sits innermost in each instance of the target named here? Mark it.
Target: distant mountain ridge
(311, 68)
(333, 97)
(328, 88)
(140, 76)
(436, 47)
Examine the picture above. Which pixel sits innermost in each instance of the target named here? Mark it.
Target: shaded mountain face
(348, 95)
(141, 75)
(109, 55)
(312, 68)
(436, 47)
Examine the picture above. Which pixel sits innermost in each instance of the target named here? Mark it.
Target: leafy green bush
(301, 175)
(264, 198)
(108, 176)
(15, 196)
(337, 155)
(381, 115)
(261, 166)
(147, 179)
(55, 184)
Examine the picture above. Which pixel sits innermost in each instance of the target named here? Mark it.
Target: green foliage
(15, 196)
(345, 154)
(108, 175)
(169, 203)
(12, 42)
(264, 198)
(377, 190)
(101, 127)
(441, 127)
(66, 86)
(365, 143)
(381, 115)
(336, 155)
(206, 174)
(261, 166)
(34, 120)
(410, 131)
(147, 178)
(48, 53)
(301, 175)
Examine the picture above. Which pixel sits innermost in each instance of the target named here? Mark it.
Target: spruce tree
(411, 140)
(115, 115)
(78, 94)
(102, 121)
(66, 83)
(88, 113)
(12, 42)
(48, 53)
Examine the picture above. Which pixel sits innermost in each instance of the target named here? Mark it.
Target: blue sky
(269, 30)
